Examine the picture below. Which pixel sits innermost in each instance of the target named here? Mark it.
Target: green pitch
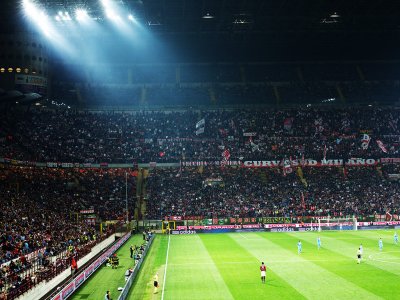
(226, 266)
(107, 278)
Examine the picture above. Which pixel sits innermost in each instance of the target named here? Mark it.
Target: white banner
(249, 133)
(200, 123)
(200, 131)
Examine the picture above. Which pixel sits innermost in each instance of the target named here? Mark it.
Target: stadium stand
(39, 228)
(170, 136)
(241, 192)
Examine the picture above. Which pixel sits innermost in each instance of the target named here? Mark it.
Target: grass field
(107, 278)
(226, 266)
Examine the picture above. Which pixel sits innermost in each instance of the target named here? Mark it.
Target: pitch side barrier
(76, 282)
(129, 282)
(284, 227)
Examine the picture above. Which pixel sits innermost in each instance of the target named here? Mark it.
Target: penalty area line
(166, 266)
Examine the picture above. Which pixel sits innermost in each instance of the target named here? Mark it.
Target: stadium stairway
(213, 98)
(299, 173)
(263, 177)
(379, 171)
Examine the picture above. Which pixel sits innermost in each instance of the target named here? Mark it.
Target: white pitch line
(165, 270)
(247, 238)
(243, 236)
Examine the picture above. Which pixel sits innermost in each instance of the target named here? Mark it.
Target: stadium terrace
(186, 149)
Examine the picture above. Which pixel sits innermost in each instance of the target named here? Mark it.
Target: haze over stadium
(154, 149)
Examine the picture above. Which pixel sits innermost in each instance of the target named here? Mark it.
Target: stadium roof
(319, 24)
(177, 16)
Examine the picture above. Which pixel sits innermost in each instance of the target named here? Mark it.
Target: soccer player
(380, 244)
(361, 249)
(263, 270)
(396, 238)
(319, 243)
(299, 247)
(155, 283)
(107, 296)
(359, 253)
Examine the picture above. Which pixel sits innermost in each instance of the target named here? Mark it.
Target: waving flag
(381, 145)
(200, 123)
(365, 139)
(303, 203)
(226, 155)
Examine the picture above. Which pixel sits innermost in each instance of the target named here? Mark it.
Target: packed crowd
(40, 217)
(212, 192)
(170, 136)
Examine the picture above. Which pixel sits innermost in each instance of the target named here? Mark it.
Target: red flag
(226, 155)
(381, 145)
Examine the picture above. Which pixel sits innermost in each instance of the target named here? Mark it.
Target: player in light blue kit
(396, 238)
(380, 244)
(299, 247)
(319, 243)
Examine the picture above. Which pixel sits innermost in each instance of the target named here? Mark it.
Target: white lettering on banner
(183, 232)
(282, 229)
(292, 163)
(311, 163)
(249, 133)
(210, 163)
(390, 160)
(332, 162)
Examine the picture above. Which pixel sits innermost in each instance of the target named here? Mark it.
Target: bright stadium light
(43, 15)
(81, 14)
(29, 8)
(105, 2)
(130, 17)
(112, 15)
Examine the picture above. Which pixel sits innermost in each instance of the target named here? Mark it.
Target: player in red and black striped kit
(263, 270)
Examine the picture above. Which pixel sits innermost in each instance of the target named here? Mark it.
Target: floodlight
(43, 15)
(111, 15)
(81, 14)
(29, 8)
(208, 16)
